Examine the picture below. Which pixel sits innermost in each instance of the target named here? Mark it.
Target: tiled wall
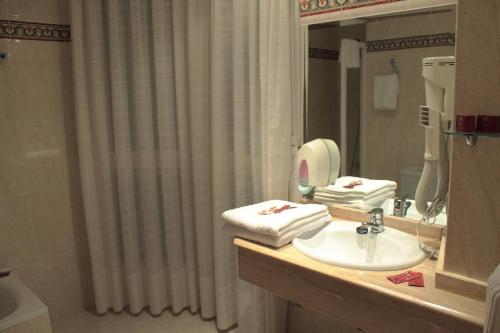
(395, 38)
(42, 230)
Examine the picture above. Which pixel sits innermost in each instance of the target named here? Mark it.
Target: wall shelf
(471, 137)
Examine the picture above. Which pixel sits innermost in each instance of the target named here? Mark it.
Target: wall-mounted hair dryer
(439, 75)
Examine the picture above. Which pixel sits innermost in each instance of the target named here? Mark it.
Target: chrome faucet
(401, 206)
(376, 224)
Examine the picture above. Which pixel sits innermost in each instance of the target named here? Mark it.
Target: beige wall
(322, 102)
(42, 11)
(42, 231)
(393, 139)
(473, 236)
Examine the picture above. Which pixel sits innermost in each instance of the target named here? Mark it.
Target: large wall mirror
(374, 66)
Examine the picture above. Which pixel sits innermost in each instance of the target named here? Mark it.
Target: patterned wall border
(316, 7)
(323, 54)
(445, 39)
(35, 31)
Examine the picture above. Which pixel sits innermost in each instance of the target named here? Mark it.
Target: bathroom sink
(338, 244)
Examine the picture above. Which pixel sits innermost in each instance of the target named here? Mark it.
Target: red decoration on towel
(414, 279)
(274, 210)
(354, 183)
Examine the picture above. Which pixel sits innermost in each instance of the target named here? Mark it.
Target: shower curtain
(183, 110)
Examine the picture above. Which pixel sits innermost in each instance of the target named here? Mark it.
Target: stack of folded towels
(275, 222)
(355, 192)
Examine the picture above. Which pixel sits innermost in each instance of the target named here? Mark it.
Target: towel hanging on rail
(386, 91)
(349, 53)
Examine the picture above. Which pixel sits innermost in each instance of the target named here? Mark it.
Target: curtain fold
(184, 110)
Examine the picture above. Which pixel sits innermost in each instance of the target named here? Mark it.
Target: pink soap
(418, 279)
(400, 278)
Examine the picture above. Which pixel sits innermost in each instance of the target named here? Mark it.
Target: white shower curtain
(183, 110)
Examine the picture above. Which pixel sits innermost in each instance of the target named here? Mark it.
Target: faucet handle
(377, 215)
(401, 205)
(377, 220)
(406, 207)
(397, 202)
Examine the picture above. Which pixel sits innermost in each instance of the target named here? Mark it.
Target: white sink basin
(338, 244)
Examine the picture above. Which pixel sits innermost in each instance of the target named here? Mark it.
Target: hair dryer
(439, 75)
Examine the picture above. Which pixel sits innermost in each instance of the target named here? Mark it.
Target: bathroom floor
(86, 322)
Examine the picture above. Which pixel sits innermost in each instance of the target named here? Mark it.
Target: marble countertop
(260, 264)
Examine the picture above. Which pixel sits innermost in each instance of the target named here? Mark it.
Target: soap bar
(418, 279)
(414, 279)
(400, 278)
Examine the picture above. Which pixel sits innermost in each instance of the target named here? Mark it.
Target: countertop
(428, 299)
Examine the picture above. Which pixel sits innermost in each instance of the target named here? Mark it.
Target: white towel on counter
(492, 319)
(367, 187)
(284, 237)
(352, 197)
(358, 204)
(349, 53)
(365, 206)
(375, 199)
(386, 91)
(248, 217)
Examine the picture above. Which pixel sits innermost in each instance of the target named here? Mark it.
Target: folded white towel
(366, 188)
(350, 197)
(349, 53)
(363, 207)
(386, 91)
(284, 237)
(492, 319)
(356, 204)
(371, 200)
(251, 218)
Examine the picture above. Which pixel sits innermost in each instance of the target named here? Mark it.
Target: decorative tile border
(312, 7)
(323, 53)
(445, 39)
(316, 7)
(35, 31)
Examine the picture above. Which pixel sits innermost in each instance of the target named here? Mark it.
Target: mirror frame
(331, 11)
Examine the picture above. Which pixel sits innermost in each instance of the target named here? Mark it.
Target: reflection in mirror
(364, 91)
